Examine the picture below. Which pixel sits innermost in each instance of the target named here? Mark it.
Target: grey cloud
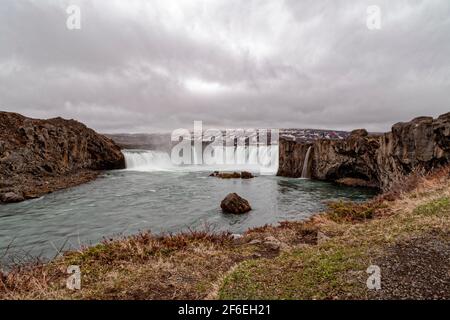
(147, 65)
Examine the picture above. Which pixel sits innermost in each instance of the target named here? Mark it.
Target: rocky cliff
(40, 156)
(376, 160)
(292, 157)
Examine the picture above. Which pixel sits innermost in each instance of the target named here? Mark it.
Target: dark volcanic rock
(359, 133)
(229, 175)
(214, 174)
(246, 175)
(375, 160)
(355, 182)
(10, 197)
(233, 203)
(40, 156)
(292, 156)
(354, 157)
(232, 175)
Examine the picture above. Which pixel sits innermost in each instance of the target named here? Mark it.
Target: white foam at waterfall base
(261, 160)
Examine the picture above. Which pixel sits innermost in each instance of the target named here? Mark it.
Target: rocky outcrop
(246, 175)
(232, 175)
(422, 144)
(233, 203)
(375, 160)
(40, 156)
(10, 197)
(354, 157)
(292, 157)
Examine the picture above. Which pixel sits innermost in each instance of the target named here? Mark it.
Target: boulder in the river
(232, 175)
(229, 175)
(214, 174)
(233, 203)
(246, 175)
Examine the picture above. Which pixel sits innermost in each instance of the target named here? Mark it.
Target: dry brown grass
(335, 268)
(415, 186)
(288, 232)
(171, 266)
(345, 211)
(417, 181)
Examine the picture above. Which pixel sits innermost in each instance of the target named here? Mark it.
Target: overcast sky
(147, 65)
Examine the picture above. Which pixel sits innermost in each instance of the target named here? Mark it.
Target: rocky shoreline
(41, 156)
(381, 161)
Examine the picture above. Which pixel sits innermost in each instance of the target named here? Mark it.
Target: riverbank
(406, 233)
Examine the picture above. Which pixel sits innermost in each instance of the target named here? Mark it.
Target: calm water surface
(126, 202)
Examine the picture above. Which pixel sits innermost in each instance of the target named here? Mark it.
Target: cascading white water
(261, 159)
(305, 170)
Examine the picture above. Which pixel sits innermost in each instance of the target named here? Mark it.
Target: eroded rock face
(422, 144)
(353, 157)
(233, 203)
(292, 157)
(379, 160)
(37, 155)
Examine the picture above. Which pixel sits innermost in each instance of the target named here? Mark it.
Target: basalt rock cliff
(376, 160)
(41, 156)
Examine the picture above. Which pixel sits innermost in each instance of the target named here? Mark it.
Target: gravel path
(418, 268)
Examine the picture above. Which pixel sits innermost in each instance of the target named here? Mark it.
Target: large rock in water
(380, 160)
(40, 156)
(232, 175)
(233, 203)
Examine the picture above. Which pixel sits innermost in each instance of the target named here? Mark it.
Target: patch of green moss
(436, 207)
(301, 274)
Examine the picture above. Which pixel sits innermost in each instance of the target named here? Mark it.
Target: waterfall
(305, 170)
(256, 159)
(147, 160)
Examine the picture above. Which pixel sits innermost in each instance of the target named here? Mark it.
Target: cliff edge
(41, 156)
(420, 145)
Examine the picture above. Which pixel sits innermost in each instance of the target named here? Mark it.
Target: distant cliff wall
(421, 144)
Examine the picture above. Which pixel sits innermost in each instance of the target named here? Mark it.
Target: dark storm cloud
(147, 65)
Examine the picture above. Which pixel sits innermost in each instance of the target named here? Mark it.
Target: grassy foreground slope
(411, 247)
(406, 234)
